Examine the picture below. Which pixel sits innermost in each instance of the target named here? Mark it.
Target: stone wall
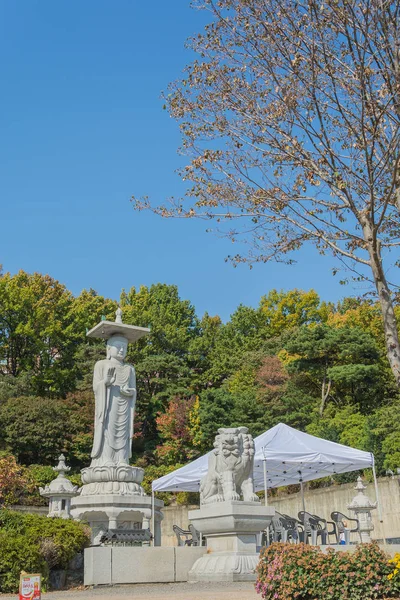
(321, 502)
(105, 565)
(33, 510)
(173, 515)
(324, 501)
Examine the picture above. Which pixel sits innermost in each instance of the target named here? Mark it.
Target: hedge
(37, 544)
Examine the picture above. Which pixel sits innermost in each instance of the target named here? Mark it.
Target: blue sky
(82, 129)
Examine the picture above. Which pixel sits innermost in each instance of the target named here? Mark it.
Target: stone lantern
(60, 491)
(361, 505)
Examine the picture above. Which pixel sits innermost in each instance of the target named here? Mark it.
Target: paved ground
(161, 591)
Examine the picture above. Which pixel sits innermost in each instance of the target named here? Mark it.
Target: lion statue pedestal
(229, 523)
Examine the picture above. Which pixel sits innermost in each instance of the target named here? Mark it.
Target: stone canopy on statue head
(107, 329)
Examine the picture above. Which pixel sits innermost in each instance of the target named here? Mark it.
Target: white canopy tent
(290, 456)
(283, 456)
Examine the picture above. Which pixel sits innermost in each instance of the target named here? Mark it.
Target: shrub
(301, 572)
(40, 543)
(37, 476)
(17, 554)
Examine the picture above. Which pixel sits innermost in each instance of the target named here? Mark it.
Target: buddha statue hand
(110, 376)
(128, 391)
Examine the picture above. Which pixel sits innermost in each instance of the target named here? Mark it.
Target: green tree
(159, 379)
(283, 400)
(86, 311)
(242, 334)
(286, 310)
(79, 407)
(249, 412)
(220, 408)
(202, 351)
(215, 410)
(88, 352)
(172, 321)
(34, 430)
(35, 338)
(339, 362)
(161, 358)
(13, 387)
(345, 425)
(386, 431)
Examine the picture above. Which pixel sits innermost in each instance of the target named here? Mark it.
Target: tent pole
(265, 482)
(379, 507)
(302, 495)
(153, 520)
(378, 500)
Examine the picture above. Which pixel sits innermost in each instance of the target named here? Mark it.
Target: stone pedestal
(230, 528)
(111, 511)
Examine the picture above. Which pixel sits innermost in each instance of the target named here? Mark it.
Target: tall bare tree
(290, 118)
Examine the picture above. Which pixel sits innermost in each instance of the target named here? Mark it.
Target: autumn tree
(290, 119)
(272, 374)
(174, 428)
(12, 480)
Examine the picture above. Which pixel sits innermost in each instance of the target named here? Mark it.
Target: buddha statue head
(117, 347)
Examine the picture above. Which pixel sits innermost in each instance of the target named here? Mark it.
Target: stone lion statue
(230, 468)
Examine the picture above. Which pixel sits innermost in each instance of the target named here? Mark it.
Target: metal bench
(188, 537)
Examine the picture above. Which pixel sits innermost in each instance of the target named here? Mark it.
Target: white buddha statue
(114, 385)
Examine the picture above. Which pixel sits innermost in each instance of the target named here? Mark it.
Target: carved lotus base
(124, 473)
(122, 488)
(115, 479)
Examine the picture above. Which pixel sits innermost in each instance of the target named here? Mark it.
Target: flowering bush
(301, 572)
(394, 575)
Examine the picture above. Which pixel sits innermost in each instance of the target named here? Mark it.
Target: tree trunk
(324, 394)
(385, 298)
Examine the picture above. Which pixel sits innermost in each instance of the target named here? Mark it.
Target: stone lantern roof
(61, 486)
(361, 501)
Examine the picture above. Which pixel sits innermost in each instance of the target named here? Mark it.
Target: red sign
(30, 587)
